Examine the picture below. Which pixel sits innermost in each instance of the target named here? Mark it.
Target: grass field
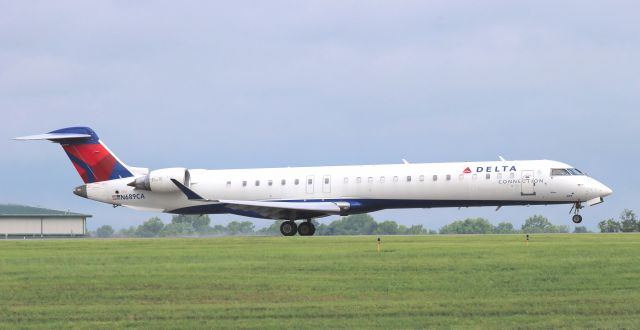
(576, 281)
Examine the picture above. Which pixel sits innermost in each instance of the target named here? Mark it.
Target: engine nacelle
(160, 180)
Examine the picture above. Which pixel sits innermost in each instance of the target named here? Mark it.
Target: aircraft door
(326, 184)
(527, 183)
(310, 184)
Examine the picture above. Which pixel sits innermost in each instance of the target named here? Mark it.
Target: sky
(244, 84)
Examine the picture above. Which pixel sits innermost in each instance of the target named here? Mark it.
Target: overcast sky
(241, 84)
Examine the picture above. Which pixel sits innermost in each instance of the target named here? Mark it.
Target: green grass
(575, 281)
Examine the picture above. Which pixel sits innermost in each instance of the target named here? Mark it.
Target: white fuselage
(366, 188)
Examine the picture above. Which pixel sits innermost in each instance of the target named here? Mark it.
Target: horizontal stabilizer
(54, 137)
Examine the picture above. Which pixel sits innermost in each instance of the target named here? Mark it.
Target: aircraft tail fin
(91, 158)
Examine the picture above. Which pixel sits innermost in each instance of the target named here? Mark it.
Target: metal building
(20, 220)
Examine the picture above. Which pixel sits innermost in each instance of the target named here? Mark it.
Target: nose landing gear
(577, 218)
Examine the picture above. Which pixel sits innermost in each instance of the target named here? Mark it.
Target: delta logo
(490, 169)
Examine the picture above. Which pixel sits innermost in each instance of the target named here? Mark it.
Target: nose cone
(81, 191)
(605, 191)
(600, 190)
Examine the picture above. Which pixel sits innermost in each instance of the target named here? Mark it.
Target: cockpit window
(559, 171)
(575, 171)
(565, 171)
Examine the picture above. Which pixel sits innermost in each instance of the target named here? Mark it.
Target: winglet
(191, 195)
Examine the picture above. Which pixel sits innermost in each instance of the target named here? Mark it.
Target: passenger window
(257, 183)
(512, 176)
(309, 181)
(228, 184)
(244, 183)
(370, 179)
(435, 178)
(358, 180)
(421, 178)
(448, 177)
(283, 182)
(270, 182)
(409, 178)
(381, 179)
(488, 176)
(296, 182)
(326, 180)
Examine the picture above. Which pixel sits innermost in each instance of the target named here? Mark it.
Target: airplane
(306, 193)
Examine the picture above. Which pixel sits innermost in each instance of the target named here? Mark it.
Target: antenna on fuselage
(502, 159)
(405, 161)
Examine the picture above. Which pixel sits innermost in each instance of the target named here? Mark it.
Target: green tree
(217, 230)
(468, 226)
(177, 230)
(105, 231)
(359, 224)
(628, 221)
(199, 222)
(537, 224)
(387, 228)
(127, 232)
(456, 227)
(273, 229)
(559, 229)
(322, 230)
(416, 230)
(239, 228)
(580, 229)
(609, 226)
(504, 228)
(150, 228)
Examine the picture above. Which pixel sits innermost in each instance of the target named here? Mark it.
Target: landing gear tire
(577, 218)
(306, 229)
(288, 228)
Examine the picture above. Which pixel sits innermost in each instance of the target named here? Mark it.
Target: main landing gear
(289, 228)
(577, 218)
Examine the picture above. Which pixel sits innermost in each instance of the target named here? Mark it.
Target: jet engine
(160, 180)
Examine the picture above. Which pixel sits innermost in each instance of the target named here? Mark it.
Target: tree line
(628, 223)
(360, 224)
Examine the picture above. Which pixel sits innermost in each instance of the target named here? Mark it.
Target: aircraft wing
(284, 210)
(269, 209)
